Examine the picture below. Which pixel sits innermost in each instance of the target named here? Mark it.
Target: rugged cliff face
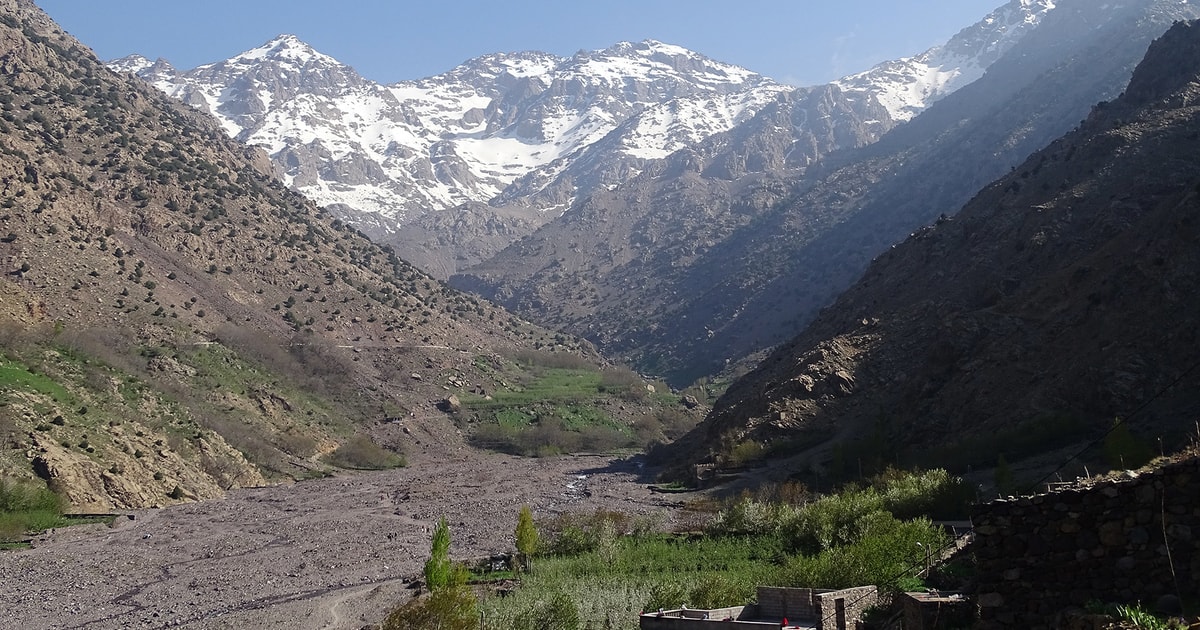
(1064, 295)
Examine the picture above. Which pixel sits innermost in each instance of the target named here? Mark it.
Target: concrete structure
(803, 608)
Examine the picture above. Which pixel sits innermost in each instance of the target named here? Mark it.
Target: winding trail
(334, 553)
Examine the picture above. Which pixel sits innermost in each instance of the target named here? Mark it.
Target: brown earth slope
(170, 309)
(1061, 297)
(734, 246)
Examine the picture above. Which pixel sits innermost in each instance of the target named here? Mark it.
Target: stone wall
(794, 603)
(852, 601)
(799, 605)
(1125, 540)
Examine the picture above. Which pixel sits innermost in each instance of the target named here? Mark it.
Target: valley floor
(329, 553)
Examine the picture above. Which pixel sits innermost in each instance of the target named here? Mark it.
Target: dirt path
(333, 553)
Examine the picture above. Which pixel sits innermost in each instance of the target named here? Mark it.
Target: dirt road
(330, 553)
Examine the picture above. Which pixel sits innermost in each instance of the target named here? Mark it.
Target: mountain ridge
(806, 231)
(1061, 297)
(175, 321)
(525, 133)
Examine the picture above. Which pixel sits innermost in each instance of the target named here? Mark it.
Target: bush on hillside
(359, 452)
(26, 506)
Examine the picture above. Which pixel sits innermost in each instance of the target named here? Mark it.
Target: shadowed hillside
(1062, 297)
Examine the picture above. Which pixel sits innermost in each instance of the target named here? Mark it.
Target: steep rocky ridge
(760, 280)
(1064, 295)
(579, 271)
(505, 129)
(176, 321)
(452, 168)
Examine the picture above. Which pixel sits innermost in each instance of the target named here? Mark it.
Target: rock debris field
(329, 553)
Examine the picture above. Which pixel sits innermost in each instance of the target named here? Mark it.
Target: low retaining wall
(1126, 540)
(826, 609)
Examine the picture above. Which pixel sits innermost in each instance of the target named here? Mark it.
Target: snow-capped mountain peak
(286, 50)
(530, 131)
(467, 134)
(908, 86)
(132, 64)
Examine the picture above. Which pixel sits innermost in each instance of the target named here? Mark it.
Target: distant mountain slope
(454, 167)
(394, 153)
(683, 299)
(173, 315)
(1063, 296)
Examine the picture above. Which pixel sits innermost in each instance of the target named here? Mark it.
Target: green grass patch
(514, 418)
(546, 385)
(15, 376)
(554, 411)
(552, 429)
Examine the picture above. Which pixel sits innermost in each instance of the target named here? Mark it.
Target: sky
(801, 42)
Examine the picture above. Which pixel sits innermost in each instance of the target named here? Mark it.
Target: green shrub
(1141, 619)
(933, 493)
(27, 506)
(834, 520)
(749, 517)
(438, 568)
(526, 535)
(359, 452)
(885, 552)
(445, 609)
(557, 612)
(20, 496)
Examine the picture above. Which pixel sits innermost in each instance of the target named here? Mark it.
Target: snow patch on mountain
(505, 127)
(462, 136)
(908, 86)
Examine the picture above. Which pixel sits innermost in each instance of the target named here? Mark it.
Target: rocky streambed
(329, 553)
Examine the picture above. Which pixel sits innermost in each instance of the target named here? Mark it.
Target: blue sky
(803, 42)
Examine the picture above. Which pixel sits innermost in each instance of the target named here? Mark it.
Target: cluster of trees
(450, 604)
(607, 566)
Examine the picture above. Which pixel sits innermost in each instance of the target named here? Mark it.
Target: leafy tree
(527, 538)
(450, 604)
(438, 569)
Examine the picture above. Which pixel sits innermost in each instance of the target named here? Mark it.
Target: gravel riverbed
(330, 553)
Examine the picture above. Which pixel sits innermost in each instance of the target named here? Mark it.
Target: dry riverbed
(329, 553)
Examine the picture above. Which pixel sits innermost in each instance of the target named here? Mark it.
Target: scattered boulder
(450, 404)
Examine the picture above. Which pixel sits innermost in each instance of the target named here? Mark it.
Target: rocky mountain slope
(734, 245)
(176, 321)
(452, 168)
(494, 129)
(1064, 295)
